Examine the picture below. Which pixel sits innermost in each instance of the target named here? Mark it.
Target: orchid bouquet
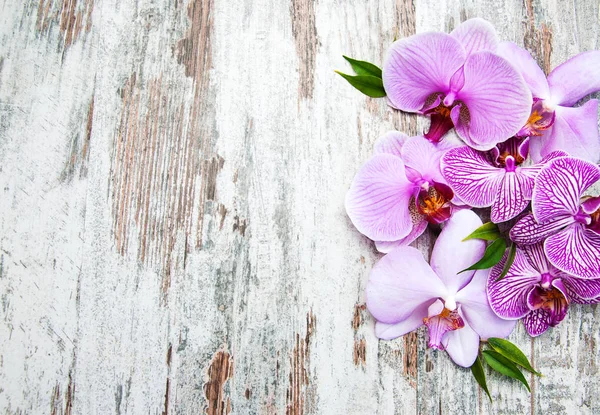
(525, 150)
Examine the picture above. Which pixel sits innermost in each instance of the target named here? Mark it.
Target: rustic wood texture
(173, 238)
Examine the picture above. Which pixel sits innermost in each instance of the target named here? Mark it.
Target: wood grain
(172, 229)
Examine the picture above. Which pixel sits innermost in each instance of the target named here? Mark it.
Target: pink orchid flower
(567, 221)
(536, 291)
(495, 178)
(554, 123)
(459, 82)
(399, 191)
(404, 292)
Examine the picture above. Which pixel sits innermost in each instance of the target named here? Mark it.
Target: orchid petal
(537, 258)
(390, 143)
(387, 331)
(527, 231)
(417, 230)
(511, 199)
(451, 255)
(497, 98)
(378, 199)
(530, 70)
(419, 66)
(470, 175)
(560, 185)
(462, 345)
(575, 250)
(537, 322)
(534, 170)
(422, 160)
(476, 35)
(590, 204)
(575, 130)
(400, 283)
(508, 296)
(579, 290)
(576, 78)
(476, 309)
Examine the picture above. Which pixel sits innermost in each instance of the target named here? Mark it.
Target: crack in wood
(537, 40)
(304, 30)
(297, 393)
(219, 372)
(72, 16)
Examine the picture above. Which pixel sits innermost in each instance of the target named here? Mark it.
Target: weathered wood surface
(172, 231)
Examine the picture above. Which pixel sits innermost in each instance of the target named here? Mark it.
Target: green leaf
(501, 364)
(368, 85)
(512, 251)
(479, 374)
(488, 231)
(364, 68)
(492, 255)
(512, 353)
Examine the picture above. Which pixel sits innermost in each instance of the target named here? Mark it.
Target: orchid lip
(442, 318)
(542, 118)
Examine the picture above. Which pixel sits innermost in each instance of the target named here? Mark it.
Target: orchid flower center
(438, 325)
(434, 202)
(440, 108)
(541, 119)
(589, 213)
(510, 154)
(547, 297)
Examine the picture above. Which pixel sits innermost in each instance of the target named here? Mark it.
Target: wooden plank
(172, 230)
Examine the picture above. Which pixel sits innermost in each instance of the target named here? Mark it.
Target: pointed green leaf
(488, 231)
(501, 364)
(364, 68)
(512, 353)
(492, 255)
(479, 374)
(368, 85)
(512, 251)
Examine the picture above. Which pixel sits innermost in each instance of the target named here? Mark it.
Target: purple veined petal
(497, 98)
(508, 296)
(511, 198)
(390, 143)
(536, 322)
(560, 185)
(387, 331)
(476, 35)
(576, 78)
(451, 255)
(575, 250)
(534, 170)
(378, 199)
(422, 160)
(418, 66)
(476, 309)
(472, 178)
(400, 283)
(417, 230)
(527, 231)
(462, 345)
(575, 130)
(580, 290)
(536, 257)
(530, 70)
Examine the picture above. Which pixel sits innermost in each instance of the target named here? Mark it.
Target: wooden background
(173, 238)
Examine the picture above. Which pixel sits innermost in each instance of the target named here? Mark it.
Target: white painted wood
(172, 230)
